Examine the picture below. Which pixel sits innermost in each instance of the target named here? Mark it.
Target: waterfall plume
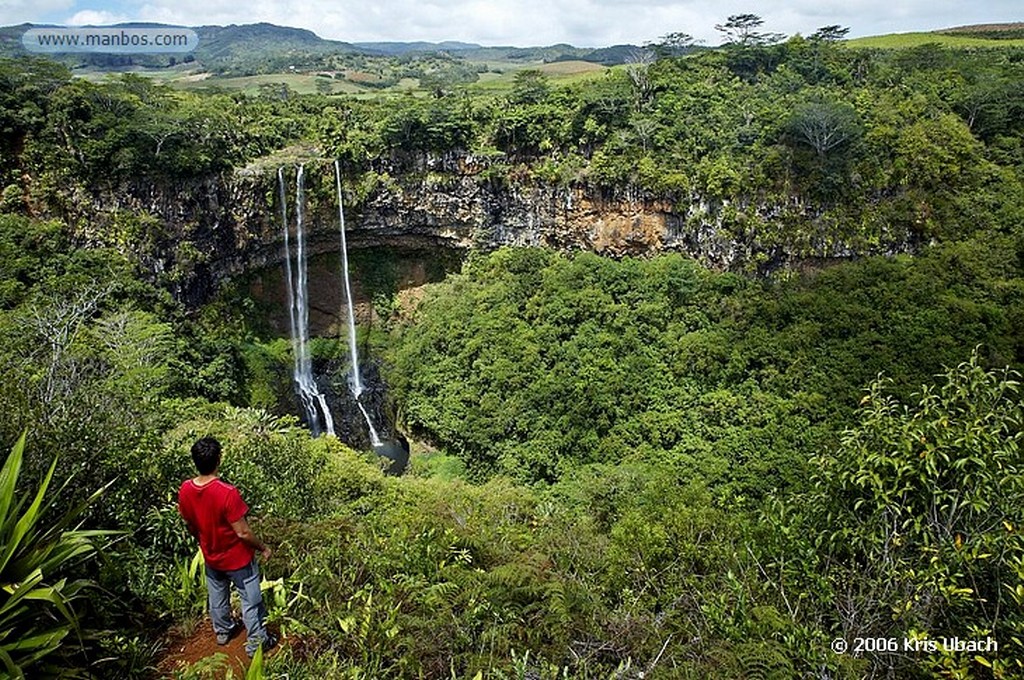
(355, 379)
(314, 404)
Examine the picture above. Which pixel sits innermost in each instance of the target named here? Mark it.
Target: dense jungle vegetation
(625, 468)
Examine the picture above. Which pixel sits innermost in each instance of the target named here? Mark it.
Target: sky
(584, 23)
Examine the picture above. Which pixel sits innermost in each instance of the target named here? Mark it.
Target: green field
(571, 68)
(300, 82)
(182, 72)
(191, 79)
(497, 78)
(903, 40)
(560, 72)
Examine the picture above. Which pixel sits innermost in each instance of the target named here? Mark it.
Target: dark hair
(206, 455)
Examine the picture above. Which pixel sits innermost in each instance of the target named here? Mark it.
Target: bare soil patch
(184, 651)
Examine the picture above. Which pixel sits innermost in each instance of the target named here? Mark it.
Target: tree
(823, 61)
(440, 83)
(830, 34)
(57, 327)
(529, 86)
(740, 29)
(924, 528)
(749, 52)
(275, 91)
(673, 44)
(824, 126)
(644, 129)
(323, 86)
(160, 126)
(638, 66)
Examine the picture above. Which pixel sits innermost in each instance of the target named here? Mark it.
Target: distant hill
(262, 48)
(402, 48)
(1010, 31)
(606, 56)
(10, 38)
(250, 49)
(610, 56)
(229, 50)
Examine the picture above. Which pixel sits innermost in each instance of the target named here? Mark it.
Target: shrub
(923, 534)
(35, 605)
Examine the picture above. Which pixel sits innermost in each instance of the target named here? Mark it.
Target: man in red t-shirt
(215, 514)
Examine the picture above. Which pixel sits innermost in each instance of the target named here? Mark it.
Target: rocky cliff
(195, 234)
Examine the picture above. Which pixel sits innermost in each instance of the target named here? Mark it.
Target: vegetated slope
(530, 363)
(947, 38)
(749, 158)
(677, 549)
(263, 48)
(1005, 31)
(235, 49)
(628, 385)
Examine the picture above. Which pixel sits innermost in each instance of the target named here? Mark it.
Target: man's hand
(243, 532)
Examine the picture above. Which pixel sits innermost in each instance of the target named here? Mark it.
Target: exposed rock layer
(199, 233)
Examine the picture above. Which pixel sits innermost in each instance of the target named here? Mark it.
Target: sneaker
(267, 645)
(224, 638)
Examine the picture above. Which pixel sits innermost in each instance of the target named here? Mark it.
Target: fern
(438, 593)
(762, 661)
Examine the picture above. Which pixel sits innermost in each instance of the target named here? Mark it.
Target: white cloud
(89, 17)
(19, 11)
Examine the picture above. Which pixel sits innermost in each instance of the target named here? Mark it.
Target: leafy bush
(35, 603)
(920, 518)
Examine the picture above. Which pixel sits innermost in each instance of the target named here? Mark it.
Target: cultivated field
(904, 40)
(302, 83)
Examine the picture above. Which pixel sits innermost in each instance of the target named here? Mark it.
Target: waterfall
(298, 310)
(374, 437)
(355, 380)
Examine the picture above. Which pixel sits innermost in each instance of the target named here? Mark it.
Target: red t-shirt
(210, 509)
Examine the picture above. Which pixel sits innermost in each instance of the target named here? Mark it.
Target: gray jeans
(247, 582)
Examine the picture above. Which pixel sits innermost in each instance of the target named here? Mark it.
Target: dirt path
(183, 652)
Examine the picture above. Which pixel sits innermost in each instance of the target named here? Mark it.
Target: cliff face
(196, 234)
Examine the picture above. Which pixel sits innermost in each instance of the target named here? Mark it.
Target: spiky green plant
(255, 671)
(35, 605)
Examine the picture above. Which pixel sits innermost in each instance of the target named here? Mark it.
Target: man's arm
(243, 531)
(191, 529)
